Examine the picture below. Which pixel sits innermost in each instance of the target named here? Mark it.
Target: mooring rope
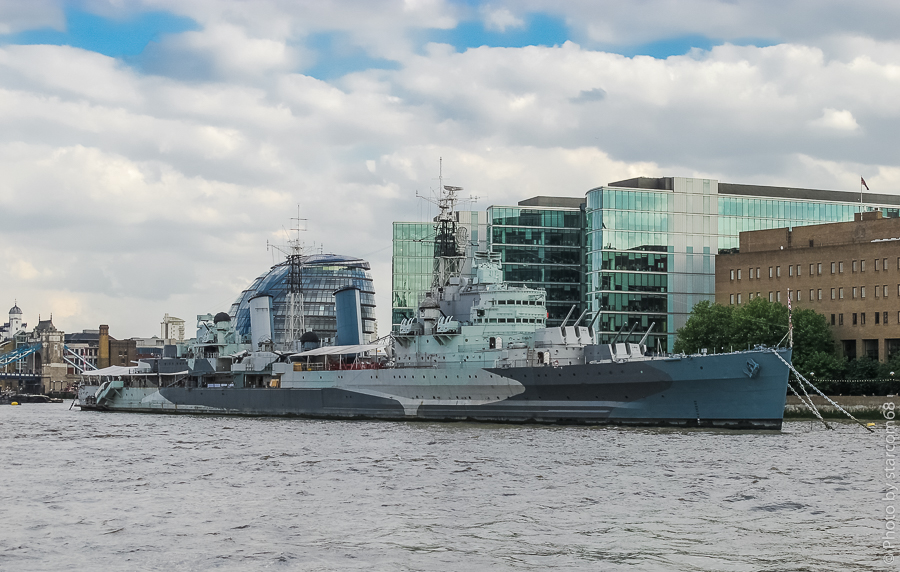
(828, 399)
(811, 406)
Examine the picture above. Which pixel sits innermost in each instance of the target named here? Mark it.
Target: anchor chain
(828, 399)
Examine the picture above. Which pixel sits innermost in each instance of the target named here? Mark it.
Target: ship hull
(704, 391)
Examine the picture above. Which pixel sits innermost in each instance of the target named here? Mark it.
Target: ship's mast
(295, 290)
(447, 256)
(294, 257)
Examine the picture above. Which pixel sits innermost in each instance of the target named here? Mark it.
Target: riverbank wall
(860, 406)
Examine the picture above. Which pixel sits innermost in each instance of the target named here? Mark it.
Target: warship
(479, 349)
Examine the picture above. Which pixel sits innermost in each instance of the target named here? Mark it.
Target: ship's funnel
(261, 320)
(348, 313)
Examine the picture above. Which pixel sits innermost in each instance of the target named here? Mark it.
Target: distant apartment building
(847, 271)
(171, 330)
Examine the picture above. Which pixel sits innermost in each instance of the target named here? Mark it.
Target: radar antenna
(450, 238)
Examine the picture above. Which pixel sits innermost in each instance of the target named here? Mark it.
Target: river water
(123, 491)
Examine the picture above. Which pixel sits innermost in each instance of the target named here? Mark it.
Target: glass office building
(541, 245)
(651, 243)
(412, 267)
(320, 276)
(413, 259)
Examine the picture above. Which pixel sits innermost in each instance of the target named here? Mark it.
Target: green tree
(710, 327)
(891, 366)
(819, 366)
(760, 322)
(863, 367)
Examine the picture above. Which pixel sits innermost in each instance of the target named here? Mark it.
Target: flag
(863, 181)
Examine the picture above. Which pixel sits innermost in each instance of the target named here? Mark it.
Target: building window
(841, 293)
(833, 293)
(885, 318)
(876, 291)
(862, 268)
(876, 265)
(812, 295)
(739, 299)
(854, 318)
(840, 319)
(833, 267)
(770, 271)
(877, 315)
(732, 300)
(812, 269)
(819, 269)
(739, 273)
(832, 319)
(757, 273)
(732, 275)
(854, 266)
(770, 297)
(778, 271)
(854, 292)
(862, 292)
(885, 291)
(840, 267)
(798, 296)
(819, 294)
(750, 275)
(778, 296)
(862, 319)
(798, 270)
(790, 270)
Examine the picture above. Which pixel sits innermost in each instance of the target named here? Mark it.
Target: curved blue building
(321, 276)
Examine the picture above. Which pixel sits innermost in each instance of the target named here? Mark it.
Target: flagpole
(790, 321)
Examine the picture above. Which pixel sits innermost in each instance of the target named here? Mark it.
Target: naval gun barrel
(569, 315)
(631, 331)
(616, 338)
(581, 317)
(644, 339)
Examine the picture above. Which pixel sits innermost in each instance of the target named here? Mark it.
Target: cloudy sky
(150, 149)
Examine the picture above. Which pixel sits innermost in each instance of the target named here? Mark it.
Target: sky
(151, 150)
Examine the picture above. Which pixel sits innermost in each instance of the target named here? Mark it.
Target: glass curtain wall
(542, 247)
(412, 267)
(651, 253)
(320, 276)
(650, 258)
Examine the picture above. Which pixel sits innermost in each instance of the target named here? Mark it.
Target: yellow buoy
(870, 425)
(14, 403)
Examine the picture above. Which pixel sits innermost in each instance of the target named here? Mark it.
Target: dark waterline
(120, 491)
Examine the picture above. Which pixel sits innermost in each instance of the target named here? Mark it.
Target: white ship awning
(339, 350)
(120, 370)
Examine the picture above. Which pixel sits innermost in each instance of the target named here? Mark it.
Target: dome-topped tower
(15, 321)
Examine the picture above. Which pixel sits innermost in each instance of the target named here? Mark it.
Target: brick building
(847, 271)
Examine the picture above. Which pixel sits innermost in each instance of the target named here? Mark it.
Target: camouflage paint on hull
(705, 391)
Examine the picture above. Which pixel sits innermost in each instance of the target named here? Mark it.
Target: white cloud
(840, 120)
(143, 193)
(500, 19)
